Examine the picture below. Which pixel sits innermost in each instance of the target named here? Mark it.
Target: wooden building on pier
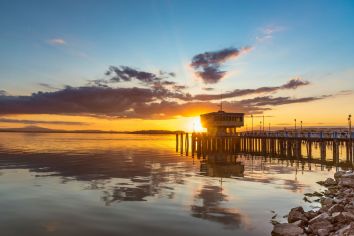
(222, 123)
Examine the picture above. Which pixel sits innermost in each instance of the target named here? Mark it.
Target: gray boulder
(335, 208)
(320, 217)
(347, 230)
(287, 230)
(346, 182)
(296, 214)
(348, 216)
(326, 201)
(338, 217)
(329, 182)
(338, 174)
(323, 225)
(348, 175)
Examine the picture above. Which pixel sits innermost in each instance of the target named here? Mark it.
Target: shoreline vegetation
(335, 216)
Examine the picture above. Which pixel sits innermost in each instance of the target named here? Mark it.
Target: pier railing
(328, 147)
(303, 135)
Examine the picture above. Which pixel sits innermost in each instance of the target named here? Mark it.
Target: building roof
(223, 113)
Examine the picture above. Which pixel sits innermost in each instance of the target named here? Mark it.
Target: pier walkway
(325, 147)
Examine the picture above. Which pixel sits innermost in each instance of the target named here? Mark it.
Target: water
(116, 184)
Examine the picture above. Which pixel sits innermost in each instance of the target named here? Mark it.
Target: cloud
(3, 93)
(79, 100)
(126, 73)
(130, 103)
(267, 32)
(345, 92)
(47, 86)
(295, 83)
(57, 41)
(276, 101)
(156, 81)
(249, 106)
(35, 122)
(208, 89)
(207, 65)
(291, 84)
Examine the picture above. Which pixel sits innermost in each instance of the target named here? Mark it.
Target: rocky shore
(335, 217)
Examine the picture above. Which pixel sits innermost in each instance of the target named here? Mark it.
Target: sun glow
(195, 125)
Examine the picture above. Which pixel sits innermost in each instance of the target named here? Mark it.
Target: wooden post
(182, 143)
(193, 143)
(187, 144)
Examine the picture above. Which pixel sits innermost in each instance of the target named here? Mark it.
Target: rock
(348, 216)
(306, 199)
(311, 214)
(329, 182)
(346, 182)
(338, 217)
(287, 230)
(326, 201)
(347, 191)
(314, 194)
(274, 222)
(335, 208)
(299, 223)
(296, 214)
(337, 200)
(320, 225)
(348, 175)
(321, 217)
(338, 174)
(349, 208)
(347, 230)
(323, 232)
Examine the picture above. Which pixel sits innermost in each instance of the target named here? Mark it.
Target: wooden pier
(323, 147)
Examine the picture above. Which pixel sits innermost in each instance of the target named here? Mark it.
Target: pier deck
(324, 147)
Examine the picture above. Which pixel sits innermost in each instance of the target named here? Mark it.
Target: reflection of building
(214, 210)
(221, 123)
(222, 166)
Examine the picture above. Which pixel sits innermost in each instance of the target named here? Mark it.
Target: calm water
(114, 184)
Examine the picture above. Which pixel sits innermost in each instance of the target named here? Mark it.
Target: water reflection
(142, 175)
(222, 165)
(210, 209)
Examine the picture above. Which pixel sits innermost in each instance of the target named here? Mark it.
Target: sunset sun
(195, 125)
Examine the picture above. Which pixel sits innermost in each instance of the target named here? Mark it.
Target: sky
(131, 65)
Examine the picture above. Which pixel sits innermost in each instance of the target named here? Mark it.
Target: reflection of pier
(222, 165)
(326, 148)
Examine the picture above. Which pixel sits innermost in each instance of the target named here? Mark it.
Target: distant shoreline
(91, 131)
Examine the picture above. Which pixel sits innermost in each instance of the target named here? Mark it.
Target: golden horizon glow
(325, 113)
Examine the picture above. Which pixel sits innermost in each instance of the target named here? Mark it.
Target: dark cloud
(126, 73)
(81, 100)
(295, 83)
(157, 81)
(207, 65)
(35, 122)
(47, 86)
(256, 105)
(211, 74)
(153, 103)
(276, 101)
(208, 89)
(292, 84)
